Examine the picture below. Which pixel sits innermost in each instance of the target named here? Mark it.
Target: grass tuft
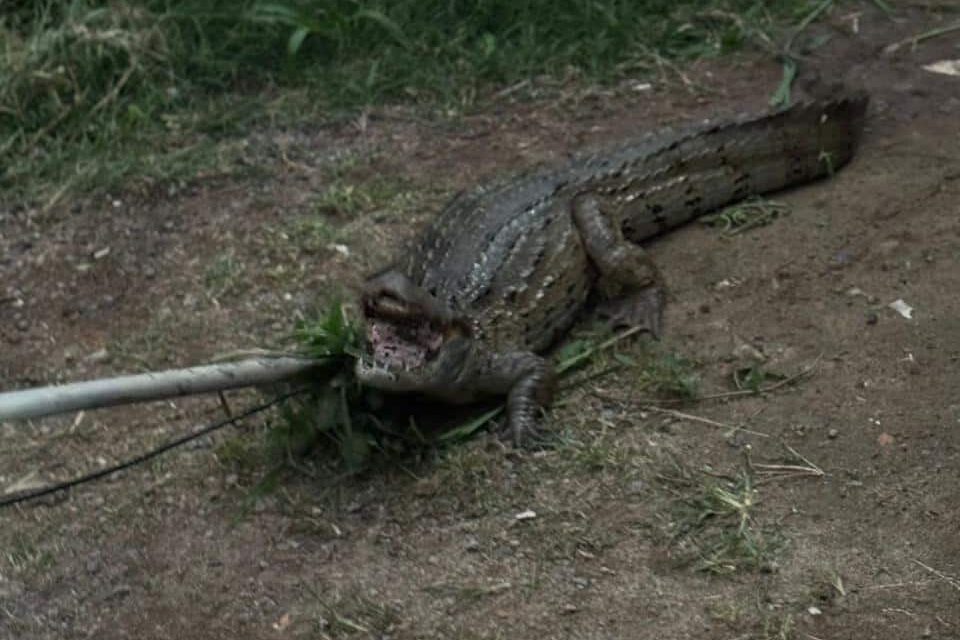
(353, 614)
(95, 94)
(360, 425)
(715, 528)
(224, 275)
(672, 376)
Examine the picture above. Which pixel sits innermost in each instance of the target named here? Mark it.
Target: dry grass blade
(806, 371)
(707, 421)
(950, 580)
(650, 404)
(899, 585)
(787, 469)
(920, 37)
(784, 471)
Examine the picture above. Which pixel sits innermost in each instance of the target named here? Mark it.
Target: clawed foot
(643, 309)
(522, 434)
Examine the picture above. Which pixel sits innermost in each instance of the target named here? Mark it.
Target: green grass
(27, 556)
(355, 426)
(223, 274)
(102, 96)
(715, 527)
(746, 215)
(353, 614)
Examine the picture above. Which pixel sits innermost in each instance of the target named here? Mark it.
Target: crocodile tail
(696, 171)
(821, 136)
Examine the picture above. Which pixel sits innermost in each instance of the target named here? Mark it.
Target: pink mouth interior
(402, 346)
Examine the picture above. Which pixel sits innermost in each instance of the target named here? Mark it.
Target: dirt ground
(435, 549)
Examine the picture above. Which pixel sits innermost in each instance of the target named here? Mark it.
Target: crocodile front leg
(630, 284)
(527, 379)
(532, 390)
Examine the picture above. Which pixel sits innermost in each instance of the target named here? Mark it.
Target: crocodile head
(413, 341)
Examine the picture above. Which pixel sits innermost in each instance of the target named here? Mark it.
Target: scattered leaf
(283, 622)
(902, 308)
(946, 67)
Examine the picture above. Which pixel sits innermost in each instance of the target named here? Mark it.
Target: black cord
(30, 494)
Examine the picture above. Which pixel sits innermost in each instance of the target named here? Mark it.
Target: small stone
(23, 324)
(101, 355)
(814, 611)
(668, 426)
(842, 258)
(526, 515)
(745, 351)
(723, 284)
(471, 544)
(93, 564)
(569, 609)
(637, 487)
(833, 433)
(888, 246)
(872, 318)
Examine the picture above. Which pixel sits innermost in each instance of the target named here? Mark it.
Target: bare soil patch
(434, 548)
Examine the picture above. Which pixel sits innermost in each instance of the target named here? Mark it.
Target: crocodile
(472, 307)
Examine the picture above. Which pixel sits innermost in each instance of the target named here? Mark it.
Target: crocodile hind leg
(630, 284)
